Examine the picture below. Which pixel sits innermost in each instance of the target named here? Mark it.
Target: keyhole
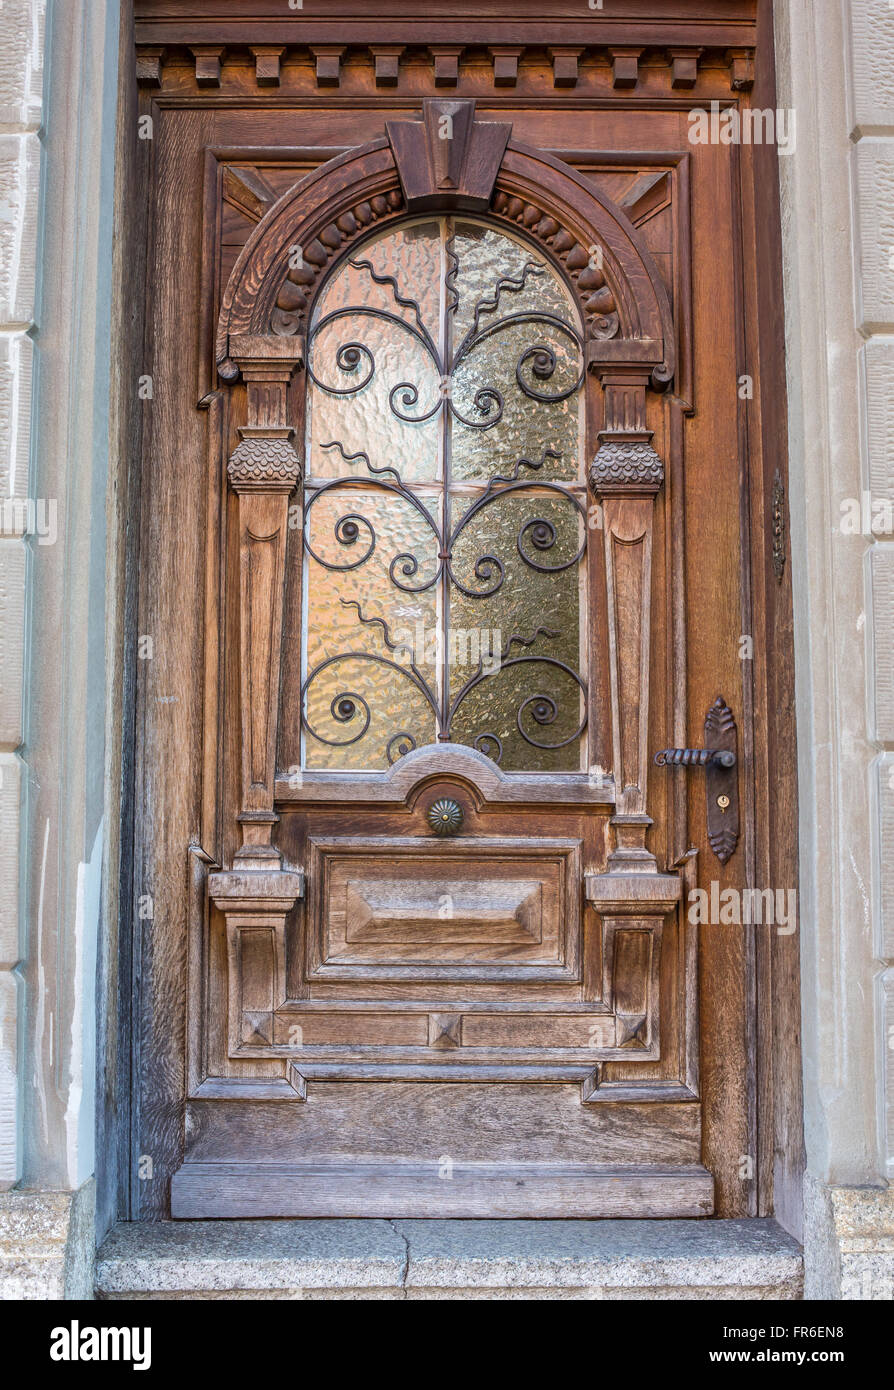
(723, 802)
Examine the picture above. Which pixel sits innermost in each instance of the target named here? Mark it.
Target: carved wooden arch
(621, 296)
(630, 349)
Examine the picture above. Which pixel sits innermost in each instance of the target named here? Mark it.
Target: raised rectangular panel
(879, 367)
(886, 986)
(884, 793)
(15, 430)
(882, 570)
(19, 187)
(875, 189)
(440, 918)
(581, 1030)
(872, 47)
(464, 910)
(351, 1029)
(12, 640)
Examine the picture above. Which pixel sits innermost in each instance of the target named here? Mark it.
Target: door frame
(773, 983)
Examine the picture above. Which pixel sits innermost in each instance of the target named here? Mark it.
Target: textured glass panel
(345, 612)
(534, 613)
(512, 315)
(444, 547)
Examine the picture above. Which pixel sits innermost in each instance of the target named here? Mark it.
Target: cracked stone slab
(640, 1258)
(419, 1259)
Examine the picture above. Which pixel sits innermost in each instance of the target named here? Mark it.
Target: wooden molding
(446, 60)
(328, 58)
(625, 67)
(565, 66)
(208, 59)
(387, 63)
(506, 58)
(267, 60)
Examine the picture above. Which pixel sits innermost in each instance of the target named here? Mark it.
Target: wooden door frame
(776, 1095)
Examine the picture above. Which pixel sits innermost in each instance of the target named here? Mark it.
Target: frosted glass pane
(444, 583)
(496, 280)
(539, 601)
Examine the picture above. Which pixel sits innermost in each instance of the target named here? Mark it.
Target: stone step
(418, 1259)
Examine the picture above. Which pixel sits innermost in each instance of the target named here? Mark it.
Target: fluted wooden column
(264, 470)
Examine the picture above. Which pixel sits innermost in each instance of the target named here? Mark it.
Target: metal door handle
(721, 782)
(695, 757)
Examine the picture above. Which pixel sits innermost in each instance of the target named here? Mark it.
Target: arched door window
(445, 524)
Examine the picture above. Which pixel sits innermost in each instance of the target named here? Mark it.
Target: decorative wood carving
(565, 69)
(208, 59)
(444, 1030)
(506, 64)
(267, 60)
(625, 67)
(150, 60)
(685, 66)
(247, 191)
(623, 299)
(625, 475)
(328, 59)
(405, 781)
(256, 905)
(778, 526)
(627, 465)
(741, 68)
(387, 62)
(263, 470)
(446, 59)
(448, 159)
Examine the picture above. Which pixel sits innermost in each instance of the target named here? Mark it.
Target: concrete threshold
(417, 1259)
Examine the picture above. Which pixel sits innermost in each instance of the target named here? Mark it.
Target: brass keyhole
(723, 802)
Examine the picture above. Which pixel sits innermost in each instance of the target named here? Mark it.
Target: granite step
(419, 1259)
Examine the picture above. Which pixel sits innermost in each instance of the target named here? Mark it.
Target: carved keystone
(448, 158)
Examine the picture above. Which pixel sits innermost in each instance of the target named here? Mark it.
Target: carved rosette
(630, 466)
(264, 464)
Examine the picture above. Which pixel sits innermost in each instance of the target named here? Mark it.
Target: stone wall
(57, 168)
(835, 65)
(21, 90)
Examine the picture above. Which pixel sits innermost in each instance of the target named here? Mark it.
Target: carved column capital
(264, 461)
(625, 465)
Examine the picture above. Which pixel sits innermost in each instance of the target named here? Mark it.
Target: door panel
(454, 974)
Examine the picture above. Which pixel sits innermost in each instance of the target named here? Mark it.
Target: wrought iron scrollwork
(450, 558)
(539, 360)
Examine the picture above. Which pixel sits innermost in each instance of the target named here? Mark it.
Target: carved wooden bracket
(448, 159)
(256, 906)
(263, 470)
(633, 907)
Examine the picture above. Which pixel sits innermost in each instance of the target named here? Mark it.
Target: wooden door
(447, 538)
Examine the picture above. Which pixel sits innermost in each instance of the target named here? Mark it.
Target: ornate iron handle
(721, 782)
(695, 757)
